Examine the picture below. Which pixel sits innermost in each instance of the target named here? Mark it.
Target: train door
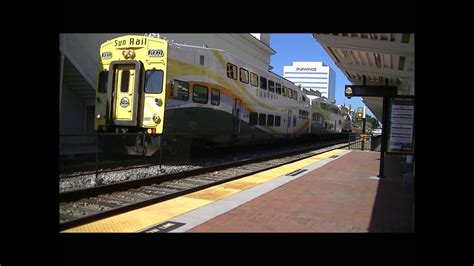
(236, 119)
(124, 91)
(288, 128)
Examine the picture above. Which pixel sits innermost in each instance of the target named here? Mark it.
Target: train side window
(232, 71)
(262, 119)
(180, 90)
(125, 80)
(103, 78)
(153, 81)
(270, 120)
(277, 121)
(200, 94)
(263, 83)
(244, 76)
(253, 118)
(253, 79)
(215, 97)
(278, 88)
(271, 86)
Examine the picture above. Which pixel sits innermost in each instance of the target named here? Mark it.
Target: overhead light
(348, 91)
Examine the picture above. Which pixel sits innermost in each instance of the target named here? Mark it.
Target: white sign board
(401, 125)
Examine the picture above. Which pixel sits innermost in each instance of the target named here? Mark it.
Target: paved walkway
(341, 196)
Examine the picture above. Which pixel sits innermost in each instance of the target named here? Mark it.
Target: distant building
(312, 76)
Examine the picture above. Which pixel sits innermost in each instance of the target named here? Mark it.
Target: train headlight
(128, 54)
(156, 119)
(98, 116)
(159, 102)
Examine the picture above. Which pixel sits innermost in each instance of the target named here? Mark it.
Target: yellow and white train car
(327, 117)
(214, 95)
(189, 93)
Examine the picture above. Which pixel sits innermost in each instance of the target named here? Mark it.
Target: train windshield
(154, 81)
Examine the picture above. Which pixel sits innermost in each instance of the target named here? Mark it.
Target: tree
(374, 123)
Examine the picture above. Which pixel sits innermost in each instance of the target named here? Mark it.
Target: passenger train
(197, 94)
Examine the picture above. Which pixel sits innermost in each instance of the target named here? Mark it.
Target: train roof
(282, 77)
(240, 59)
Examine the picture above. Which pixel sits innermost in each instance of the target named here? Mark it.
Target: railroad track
(87, 205)
(84, 165)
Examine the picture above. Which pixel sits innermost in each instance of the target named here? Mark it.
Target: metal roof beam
(371, 82)
(367, 70)
(369, 45)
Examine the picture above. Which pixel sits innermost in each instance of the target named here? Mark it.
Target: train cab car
(131, 92)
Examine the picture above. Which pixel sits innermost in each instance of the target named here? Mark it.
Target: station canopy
(380, 58)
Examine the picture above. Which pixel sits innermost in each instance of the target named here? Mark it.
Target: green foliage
(372, 121)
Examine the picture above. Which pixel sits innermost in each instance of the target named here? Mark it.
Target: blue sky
(303, 47)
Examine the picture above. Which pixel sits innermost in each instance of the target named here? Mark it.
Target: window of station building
(253, 118)
(154, 81)
(317, 117)
(278, 88)
(263, 83)
(283, 90)
(103, 78)
(232, 71)
(253, 79)
(244, 76)
(124, 81)
(277, 121)
(304, 114)
(200, 94)
(270, 120)
(215, 97)
(262, 118)
(340, 122)
(271, 86)
(289, 93)
(180, 90)
(295, 95)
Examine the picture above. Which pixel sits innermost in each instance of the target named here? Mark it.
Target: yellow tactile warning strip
(140, 219)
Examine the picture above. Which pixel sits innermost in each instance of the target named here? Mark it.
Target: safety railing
(364, 142)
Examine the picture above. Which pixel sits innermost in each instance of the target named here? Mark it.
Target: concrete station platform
(337, 191)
